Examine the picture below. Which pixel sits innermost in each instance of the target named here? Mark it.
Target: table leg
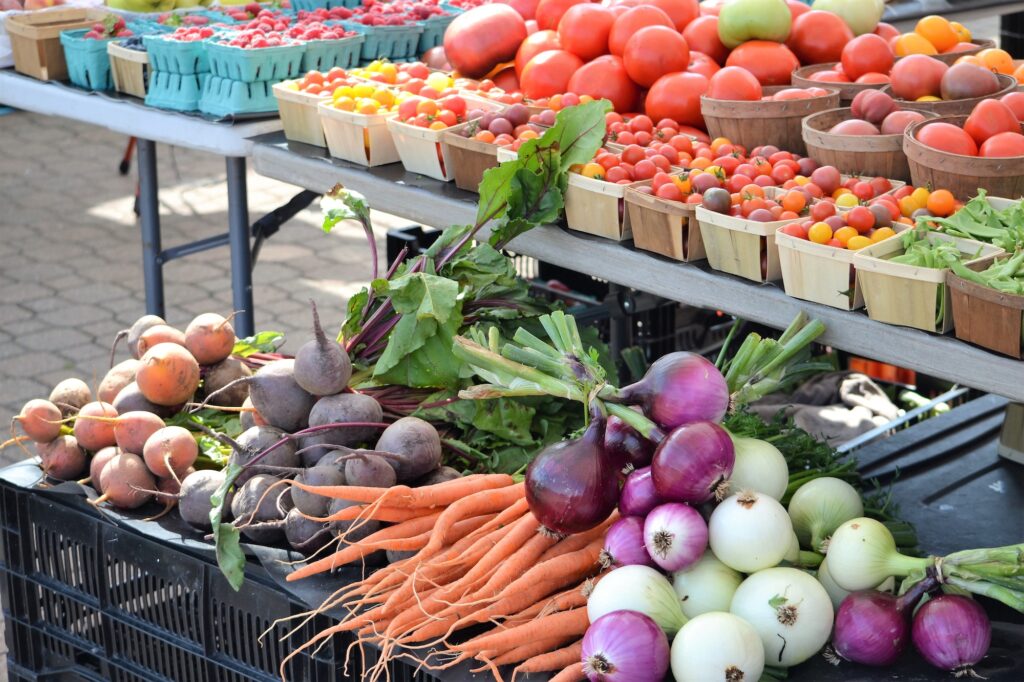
(149, 220)
(1011, 439)
(1011, 36)
(241, 250)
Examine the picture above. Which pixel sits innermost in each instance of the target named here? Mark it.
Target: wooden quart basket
(763, 122)
(741, 247)
(910, 296)
(360, 138)
(300, 114)
(470, 158)
(847, 91)
(961, 175)
(951, 57)
(662, 226)
(987, 317)
(129, 70)
(35, 39)
(820, 273)
(955, 107)
(873, 155)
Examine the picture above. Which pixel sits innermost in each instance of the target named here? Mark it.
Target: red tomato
(1003, 144)
(507, 79)
(632, 21)
(1014, 100)
(606, 78)
(886, 31)
(948, 138)
(991, 117)
(873, 79)
(654, 51)
(531, 27)
(829, 76)
(861, 219)
(548, 73)
(538, 42)
(526, 8)
(483, 37)
(584, 30)
(818, 37)
(866, 54)
(677, 96)
(771, 63)
(916, 75)
(791, 93)
(702, 35)
(681, 12)
(796, 8)
(435, 59)
(702, 64)
(549, 12)
(734, 83)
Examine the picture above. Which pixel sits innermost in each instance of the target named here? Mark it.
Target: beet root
(344, 408)
(416, 442)
(62, 458)
(253, 505)
(130, 399)
(95, 434)
(119, 376)
(210, 338)
(135, 332)
(40, 420)
(369, 470)
(322, 366)
(168, 374)
(305, 535)
(98, 461)
(133, 429)
(219, 376)
(312, 504)
(70, 395)
(439, 475)
(250, 416)
(194, 498)
(351, 531)
(159, 333)
(256, 440)
(170, 451)
(125, 482)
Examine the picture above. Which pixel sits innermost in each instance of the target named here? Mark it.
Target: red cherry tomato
(584, 30)
(861, 219)
(548, 73)
(654, 51)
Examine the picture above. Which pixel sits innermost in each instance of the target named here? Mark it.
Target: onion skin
(675, 536)
(625, 646)
(679, 388)
(625, 445)
(624, 544)
(872, 627)
(638, 496)
(693, 462)
(572, 486)
(952, 633)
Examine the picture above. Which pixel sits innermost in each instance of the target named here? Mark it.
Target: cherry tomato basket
(469, 158)
(175, 91)
(300, 116)
(363, 139)
(664, 226)
(897, 293)
(255, 65)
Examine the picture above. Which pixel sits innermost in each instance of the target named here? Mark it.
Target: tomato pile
(630, 165)
(509, 128)
(321, 83)
(993, 130)
(366, 98)
(876, 113)
(424, 112)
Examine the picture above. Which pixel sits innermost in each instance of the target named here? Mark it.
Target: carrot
(439, 495)
(578, 541)
(567, 599)
(573, 673)
(565, 623)
(509, 515)
(477, 503)
(533, 649)
(579, 564)
(551, 660)
(370, 513)
(514, 567)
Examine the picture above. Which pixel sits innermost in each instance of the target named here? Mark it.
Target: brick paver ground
(70, 253)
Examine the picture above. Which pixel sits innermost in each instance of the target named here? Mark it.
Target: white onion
(759, 466)
(706, 586)
(790, 610)
(717, 646)
(838, 594)
(820, 506)
(637, 588)
(749, 532)
(862, 554)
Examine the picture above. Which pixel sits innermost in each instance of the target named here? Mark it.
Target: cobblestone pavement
(70, 253)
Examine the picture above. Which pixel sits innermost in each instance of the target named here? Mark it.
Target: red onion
(624, 544)
(679, 388)
(638, 496)
(871, 627)
(625, 444)
(572, 486)
(625, 646)
(675, 536)
(952, 633)
(693, 462)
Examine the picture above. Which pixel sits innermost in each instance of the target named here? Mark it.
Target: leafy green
(230, 558)
(262, 342)
(980, 221)
(343, 204)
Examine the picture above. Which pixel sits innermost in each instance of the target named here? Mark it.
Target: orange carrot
(573, 673)
(370, 513)
(532, 649)
(439, 495)
(514, 567)
(578, 541)
(571, 623)
(575, 566)
(477, 503)
(551, 660)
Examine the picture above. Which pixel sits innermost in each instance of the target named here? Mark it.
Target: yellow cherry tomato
(882, 233)
(844, 234)
(820, 233)
(928, 98)
(920, 197)
(858, 242)
(801, 180)
(848, 200)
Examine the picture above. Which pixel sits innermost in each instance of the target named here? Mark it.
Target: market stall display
(559, 520)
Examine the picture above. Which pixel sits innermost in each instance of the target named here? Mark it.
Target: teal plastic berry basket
(88, 63)
(176, 56)
(388, 42)
(323, 55)
(434, 28)
(252, 65)
(175, 91)
(226, 97)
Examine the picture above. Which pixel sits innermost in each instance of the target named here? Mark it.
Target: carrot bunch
(482, 561)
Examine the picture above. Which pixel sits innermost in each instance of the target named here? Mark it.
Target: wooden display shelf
(429, 202)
